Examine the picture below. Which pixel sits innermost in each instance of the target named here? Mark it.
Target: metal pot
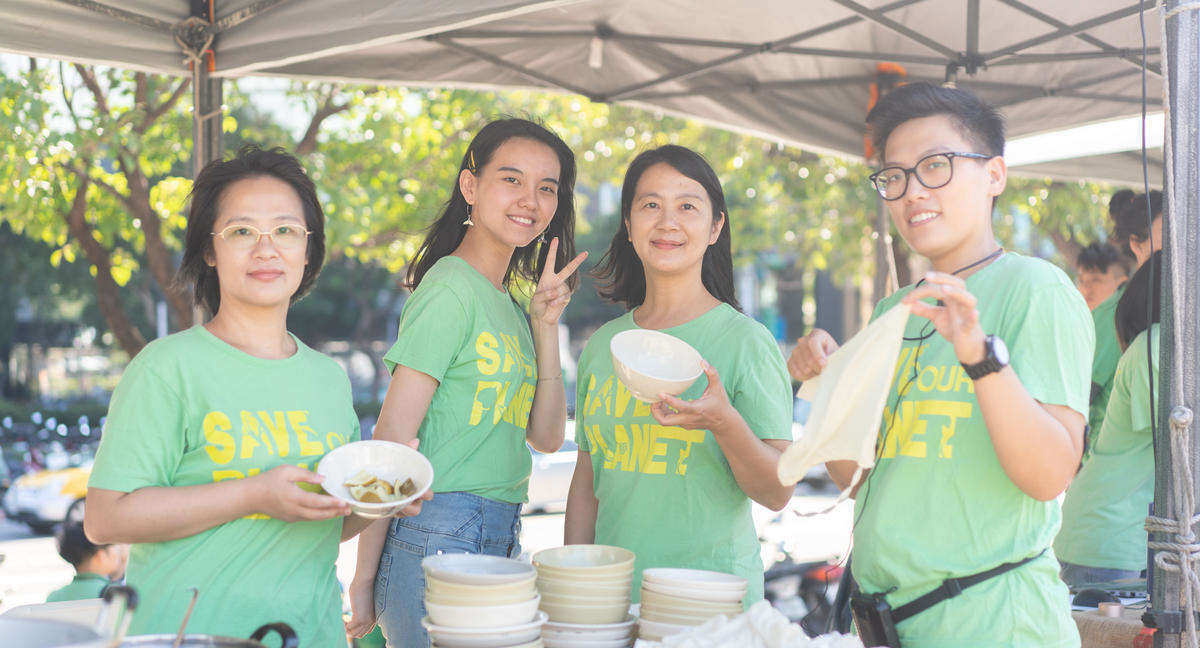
(110, 631)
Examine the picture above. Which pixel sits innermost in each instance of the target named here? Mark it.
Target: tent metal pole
(1064, 31)
(207, 96)
(1180, 337)
(1131, 57)
(473, 52)
(876, 16)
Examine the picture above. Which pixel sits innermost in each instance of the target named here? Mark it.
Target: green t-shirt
(191, 409)
(938, 504)
(475, 341)
(83, 586)
(667, 493)
(1106, 506)
(1104, 363)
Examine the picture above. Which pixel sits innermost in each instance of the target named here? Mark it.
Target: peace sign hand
(956, 318)
(552, 293)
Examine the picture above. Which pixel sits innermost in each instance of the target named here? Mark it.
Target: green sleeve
(1051, 345)
(144, 437)
(1131, 386)
(762, 389)
(582, 375)
(433, 329)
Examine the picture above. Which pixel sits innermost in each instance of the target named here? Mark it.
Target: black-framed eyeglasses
(932, 171)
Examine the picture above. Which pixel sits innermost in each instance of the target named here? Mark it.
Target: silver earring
(542, 238)
(468, 221)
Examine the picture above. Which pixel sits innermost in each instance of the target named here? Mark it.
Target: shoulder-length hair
(217, 176)
(620, 271)
(1139, 306)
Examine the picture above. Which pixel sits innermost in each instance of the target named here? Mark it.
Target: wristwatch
(995, 358)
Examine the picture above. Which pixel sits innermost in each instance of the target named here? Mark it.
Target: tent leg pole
(1180, 337)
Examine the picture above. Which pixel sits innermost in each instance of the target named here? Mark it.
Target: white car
(551, 476)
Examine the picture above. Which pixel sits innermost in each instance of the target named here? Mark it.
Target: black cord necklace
(926, 335)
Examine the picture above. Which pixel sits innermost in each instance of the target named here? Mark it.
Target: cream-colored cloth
(847, 401)
(762, 626)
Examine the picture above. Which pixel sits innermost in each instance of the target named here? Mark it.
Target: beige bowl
(590, 614)
(573, 561)
(652, 362)
(584, 598)
(668, 602)
(655, 631)
(384, 459)
(478, 599)
(678, 617)
(623, 630)
(526, 586)
(698, 578)
(476, 569)
(482, 616)
(574, 587)
(696, 593)
(452, 637)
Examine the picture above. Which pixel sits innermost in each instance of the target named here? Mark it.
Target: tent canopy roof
(794, 72)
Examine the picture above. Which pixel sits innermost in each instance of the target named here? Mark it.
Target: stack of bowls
(677, 600)
(477, 601)
(590, 635)
(585, 584)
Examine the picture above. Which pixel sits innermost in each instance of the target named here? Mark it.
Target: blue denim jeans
(1079, 575)
(449, 523)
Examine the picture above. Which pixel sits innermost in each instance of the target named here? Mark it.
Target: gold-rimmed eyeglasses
(245, 237)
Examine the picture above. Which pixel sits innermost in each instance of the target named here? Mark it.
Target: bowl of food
(377, 478)
(650, 363)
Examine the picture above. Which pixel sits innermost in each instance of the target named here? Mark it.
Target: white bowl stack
(475, 601)
(676, 600)
(585, 591)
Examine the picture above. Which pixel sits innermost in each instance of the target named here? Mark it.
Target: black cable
(1149, 225)
(922, 338)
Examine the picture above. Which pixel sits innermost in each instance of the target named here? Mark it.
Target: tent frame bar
(1132, 57)
(1065, 31)
(877, 16)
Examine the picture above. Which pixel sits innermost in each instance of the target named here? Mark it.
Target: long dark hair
(448, 230)
(1133, 314)
(250, 162)
(620, 271)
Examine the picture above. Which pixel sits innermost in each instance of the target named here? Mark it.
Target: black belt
(952, 587)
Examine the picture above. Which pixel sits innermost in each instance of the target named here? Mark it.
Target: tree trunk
(108, 293)
(158, 257)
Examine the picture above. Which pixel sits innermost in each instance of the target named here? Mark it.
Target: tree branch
(153, 114)
(89, 79)
(139, 91)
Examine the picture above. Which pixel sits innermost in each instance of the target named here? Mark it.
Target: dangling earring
(468, 221)
(542, 238)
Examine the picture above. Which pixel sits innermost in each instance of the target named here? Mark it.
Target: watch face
(999, 350)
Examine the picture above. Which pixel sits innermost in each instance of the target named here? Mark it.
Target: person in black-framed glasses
(932, 171)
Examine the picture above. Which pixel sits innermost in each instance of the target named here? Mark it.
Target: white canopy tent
(795, 71)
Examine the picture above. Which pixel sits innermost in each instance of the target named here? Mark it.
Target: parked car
(45, 498)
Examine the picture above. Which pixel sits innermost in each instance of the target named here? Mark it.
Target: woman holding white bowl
(673, 481)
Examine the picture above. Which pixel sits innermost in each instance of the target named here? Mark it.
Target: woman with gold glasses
(213, 432)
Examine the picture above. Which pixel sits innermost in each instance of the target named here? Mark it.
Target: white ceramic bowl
(487, 599)
(680, 617)
(572, 587)
(655, 631)
(384, 459)
(526, 588)
(508, 635)
(713, 595)
(669, 602)
(651, 362)
(482, 616)
(698, 578)
(584, 561)
(587, 600)
(552, 642)
(590, 614)
(620, 630)
(476, 569)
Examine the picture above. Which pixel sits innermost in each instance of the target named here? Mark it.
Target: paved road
(32, 568)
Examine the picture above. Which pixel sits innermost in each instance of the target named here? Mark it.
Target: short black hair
(978, 122)
(74, 546)
(250, 162)
(1129, 220)
(1099, 256)
(620, 271)
(1133, 314)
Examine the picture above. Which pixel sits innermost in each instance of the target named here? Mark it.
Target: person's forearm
(370, 547)
(842, 472)
(1036, 451)
(754, 463)
(159, 514)
(548, 413)
(579, 527)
